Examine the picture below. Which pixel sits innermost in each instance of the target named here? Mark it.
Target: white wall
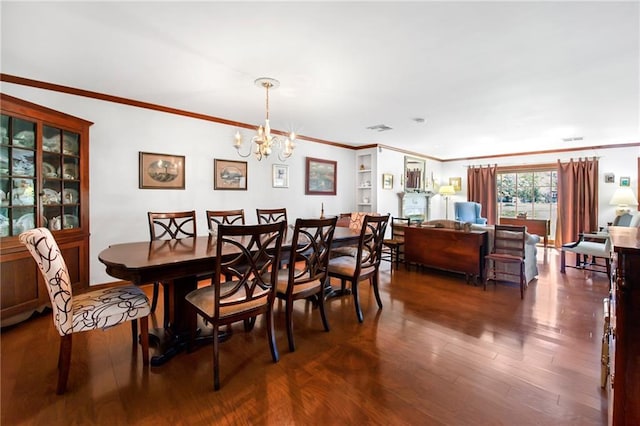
(620, 161)
(118, 209)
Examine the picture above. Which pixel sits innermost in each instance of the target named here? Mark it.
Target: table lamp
(446, 191)
(623, 198)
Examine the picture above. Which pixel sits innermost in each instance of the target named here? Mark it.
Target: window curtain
(481, 188)
(577, 199)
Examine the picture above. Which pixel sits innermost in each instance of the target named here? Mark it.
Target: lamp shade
(447, 190)
(623, 197)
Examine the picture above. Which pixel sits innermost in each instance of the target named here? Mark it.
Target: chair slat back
(398, 225)
(225, 217)
(44, 250)
(509, 240)
(172, 225)
(252, 266)
(310, 250)
(272, 215)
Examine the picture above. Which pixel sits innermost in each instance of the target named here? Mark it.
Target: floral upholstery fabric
(100, 308)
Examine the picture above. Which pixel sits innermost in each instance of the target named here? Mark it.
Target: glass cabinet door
(17, 175)
(60, 178)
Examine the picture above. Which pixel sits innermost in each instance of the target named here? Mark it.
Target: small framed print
(161, 171)
(456, 182)
(228, 174)
(320, 177)
(387, 181)
(625, 181)
(609, 178)
(280, 178)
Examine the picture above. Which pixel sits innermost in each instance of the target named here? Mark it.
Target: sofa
(531, 250)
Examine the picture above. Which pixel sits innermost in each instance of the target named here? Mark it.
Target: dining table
(180, 263)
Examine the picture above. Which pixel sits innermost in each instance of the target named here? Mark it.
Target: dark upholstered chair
(169, 226)
(250, 291)
(310, 248)
(366, 263)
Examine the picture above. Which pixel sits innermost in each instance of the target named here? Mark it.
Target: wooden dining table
(179, 264)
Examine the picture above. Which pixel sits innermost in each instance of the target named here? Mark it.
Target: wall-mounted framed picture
(161, 171)
(387, 181)
(625, 181)
(456, 182)
(609, 178)
(320, 177)
(228, 174)
(280, 178)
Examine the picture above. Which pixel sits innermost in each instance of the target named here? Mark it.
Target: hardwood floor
(440, 352)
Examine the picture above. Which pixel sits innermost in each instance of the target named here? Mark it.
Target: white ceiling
(487, 77)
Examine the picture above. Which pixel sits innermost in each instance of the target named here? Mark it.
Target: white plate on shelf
(69, 145)
(49, 171)
(51, 144)
(26, 222)
(24, 139)
(49, 196)
(70, 196)
(70, 172)
(70, 221)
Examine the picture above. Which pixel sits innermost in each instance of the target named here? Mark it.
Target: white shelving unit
(365, 183)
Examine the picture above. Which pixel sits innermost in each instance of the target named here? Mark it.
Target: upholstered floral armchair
(468, 211)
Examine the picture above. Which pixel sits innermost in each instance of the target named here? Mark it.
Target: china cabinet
(44, 181)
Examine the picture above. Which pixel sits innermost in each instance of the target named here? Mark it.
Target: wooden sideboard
(448, 249)
(624, 341)
(539, 227)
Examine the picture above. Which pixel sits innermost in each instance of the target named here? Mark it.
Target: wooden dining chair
(392, 248)
(307, 274)
(272, 215)
(250, 291)
(100, 308)
(224, 217)
(366, 264)
(508, 248)
(169, 226)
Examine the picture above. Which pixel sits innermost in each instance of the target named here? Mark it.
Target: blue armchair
(467, 211)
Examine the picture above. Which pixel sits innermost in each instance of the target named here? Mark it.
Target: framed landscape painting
(320, 177)
(228, 174)
(160, 171)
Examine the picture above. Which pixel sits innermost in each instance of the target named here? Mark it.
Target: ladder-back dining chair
(169, 226)
(366, 264)
(250, 291)
(508, 248)
(393, 248)
(97, 309)
(307, 274)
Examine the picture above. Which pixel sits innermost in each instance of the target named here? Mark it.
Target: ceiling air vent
(574, 139)
(380, 127)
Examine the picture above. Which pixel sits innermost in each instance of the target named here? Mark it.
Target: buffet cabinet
(624, 333)
(44, 182)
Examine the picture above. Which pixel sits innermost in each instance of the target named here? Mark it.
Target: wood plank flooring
(441, 351)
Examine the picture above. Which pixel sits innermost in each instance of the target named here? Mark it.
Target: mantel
(415, 205)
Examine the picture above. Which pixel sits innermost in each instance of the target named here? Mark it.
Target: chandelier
(264, 141)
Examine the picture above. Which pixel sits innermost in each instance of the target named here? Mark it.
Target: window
(530, 193)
